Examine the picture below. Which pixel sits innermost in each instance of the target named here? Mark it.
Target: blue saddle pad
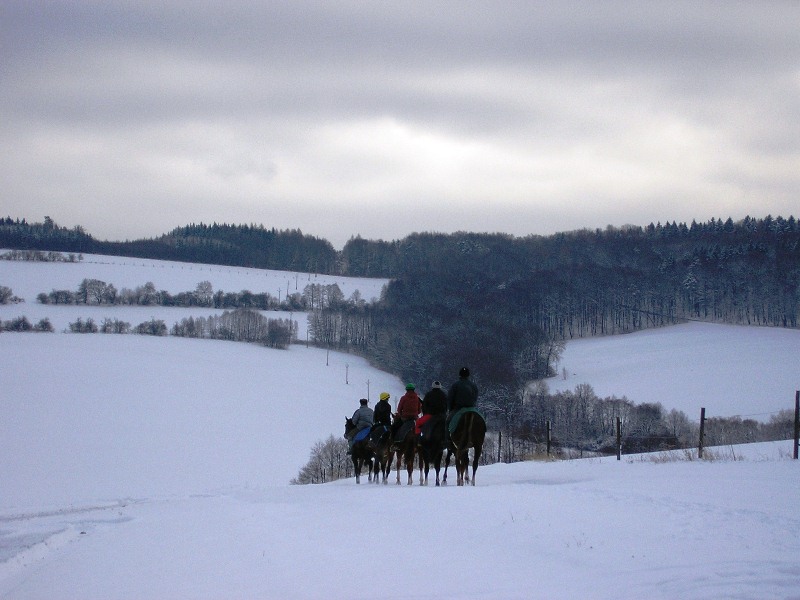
(361, 435)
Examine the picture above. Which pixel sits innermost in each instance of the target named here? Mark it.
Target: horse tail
(469, 428)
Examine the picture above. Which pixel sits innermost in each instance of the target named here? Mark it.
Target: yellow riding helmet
(384, 396)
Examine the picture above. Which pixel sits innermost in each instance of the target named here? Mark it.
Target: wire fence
(703, 432)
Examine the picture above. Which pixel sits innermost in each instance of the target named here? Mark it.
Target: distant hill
(503, 302)
(233, 245)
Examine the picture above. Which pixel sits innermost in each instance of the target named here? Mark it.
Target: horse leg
(437, 465)
(357, 469)
(410, 468)
(462, 460)
(475, 459)
(398, 465)
(456, 464)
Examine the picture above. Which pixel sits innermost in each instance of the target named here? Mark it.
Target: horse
(380, 443)
(469, 433)
(361, 452)
(431, 444)
(406, 449)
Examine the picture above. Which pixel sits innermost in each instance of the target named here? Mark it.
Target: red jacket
(409, 406)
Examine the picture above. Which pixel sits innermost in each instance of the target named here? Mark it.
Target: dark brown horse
(380, 442)
(361, 452)
(406, 449)
(431, 444)
(469, 433)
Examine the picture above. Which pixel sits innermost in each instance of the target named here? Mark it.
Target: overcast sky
(381, 119)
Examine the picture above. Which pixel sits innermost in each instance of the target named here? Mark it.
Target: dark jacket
(434, 402)
(383, 412)
(463, 393)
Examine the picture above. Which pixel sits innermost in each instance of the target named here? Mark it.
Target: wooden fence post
(702, 432)
(548, 438)
(796, 422)
(619, 438)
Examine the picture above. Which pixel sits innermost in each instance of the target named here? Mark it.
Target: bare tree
(204, 293)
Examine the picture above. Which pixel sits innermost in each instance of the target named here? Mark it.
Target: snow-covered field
(28, 279)
(139, 467)
(730, 370)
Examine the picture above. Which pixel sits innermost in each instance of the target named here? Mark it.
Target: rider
(408, 409)
(435, 401)
(383, 410)
(463, 393)
(362, 419)
(433, 404)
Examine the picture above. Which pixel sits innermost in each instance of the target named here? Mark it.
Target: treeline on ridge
(501, 304)
(314, 296)
(506, 303)
(233, 245)
(465, 297)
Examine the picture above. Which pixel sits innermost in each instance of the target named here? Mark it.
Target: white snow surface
(729, 370)
(149, 468)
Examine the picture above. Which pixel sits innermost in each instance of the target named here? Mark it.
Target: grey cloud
(244, 91)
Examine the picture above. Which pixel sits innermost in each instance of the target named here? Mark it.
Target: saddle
(402, 432)
(460, 413)
(361, 435)
(426, 424)
(378, 435)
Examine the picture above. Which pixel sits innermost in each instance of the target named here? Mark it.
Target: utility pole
(796, 422)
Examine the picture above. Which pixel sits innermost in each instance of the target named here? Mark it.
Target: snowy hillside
(730, 370)
(28, 279)
(151, 468)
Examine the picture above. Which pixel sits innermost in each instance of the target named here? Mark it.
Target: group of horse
(378, 449)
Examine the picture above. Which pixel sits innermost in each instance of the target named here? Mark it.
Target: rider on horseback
(435, 401)
(408, 409)
(434, 404)
(383, 410)
(362, 419)
(463, 393)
